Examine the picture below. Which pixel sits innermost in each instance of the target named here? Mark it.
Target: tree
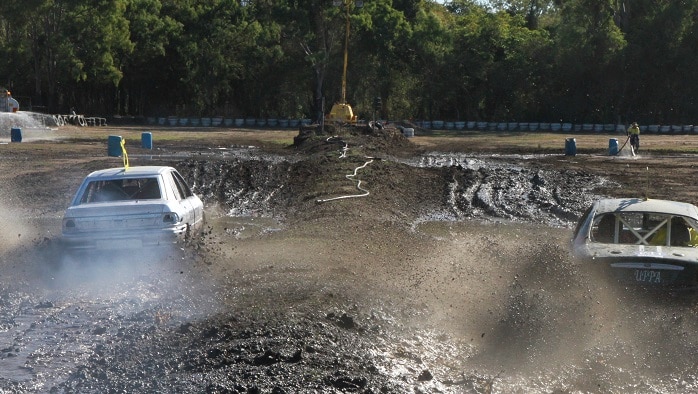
(531, 10)
(589, 79)
(147, 78)
(430, 43)
(659, 61)
(72, 44)
(380, 61)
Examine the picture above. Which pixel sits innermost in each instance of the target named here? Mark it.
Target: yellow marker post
(124, 154)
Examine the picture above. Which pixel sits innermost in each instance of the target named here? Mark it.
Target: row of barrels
(218, 121)
(432, 125)
(226, 122)
(516, 126)
(613, 149)
(555, 127)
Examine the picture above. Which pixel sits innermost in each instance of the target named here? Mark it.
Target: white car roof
(138, 171)
(646, 205)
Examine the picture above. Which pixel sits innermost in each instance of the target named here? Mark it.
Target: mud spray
(31, 124)
(521, 316)
(17, 231)
(87, 298)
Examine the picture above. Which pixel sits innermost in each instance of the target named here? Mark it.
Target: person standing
(634, 134)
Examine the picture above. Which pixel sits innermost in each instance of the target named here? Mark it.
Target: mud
(451, 275)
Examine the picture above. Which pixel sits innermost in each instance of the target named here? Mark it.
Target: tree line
(573, 61)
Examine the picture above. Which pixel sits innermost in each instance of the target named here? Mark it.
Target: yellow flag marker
(124, 154)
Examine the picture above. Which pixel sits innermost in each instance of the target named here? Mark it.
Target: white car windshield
(121, 189)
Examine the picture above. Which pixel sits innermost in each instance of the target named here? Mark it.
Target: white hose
(358, 185)
(345, 147)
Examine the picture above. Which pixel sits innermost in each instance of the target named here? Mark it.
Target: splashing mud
(25, 120)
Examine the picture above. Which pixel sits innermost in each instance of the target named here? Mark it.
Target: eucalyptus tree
(304, 48)
(313, 34)
(430, 44)
(494, 65)
(218, 48)
(75, 47)
(518, 68)
(589, 83)
(684, 84)
(316, 32)
(381, 60)
(148, 79)
(15, 57)
(660, 59)
(282, 84)
(533, 11)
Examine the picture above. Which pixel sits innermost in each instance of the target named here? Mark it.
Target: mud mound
(312, 185)
(377, 140)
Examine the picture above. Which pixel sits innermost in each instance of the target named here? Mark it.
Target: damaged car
(646, 242)
(131, 207)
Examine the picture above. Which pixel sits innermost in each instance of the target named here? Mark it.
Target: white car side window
(174, 187)
(182, 185)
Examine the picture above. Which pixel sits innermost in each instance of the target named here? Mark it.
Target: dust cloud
(17, 233)
(19, 230)
(58, 307)
(528, 318)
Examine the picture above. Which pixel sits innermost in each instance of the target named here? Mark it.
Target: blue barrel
(570, 147)
(147, 140)
(16, 134)
(613, 146)
(114, 146)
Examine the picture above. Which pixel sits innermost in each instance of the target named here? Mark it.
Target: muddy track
(451, 276)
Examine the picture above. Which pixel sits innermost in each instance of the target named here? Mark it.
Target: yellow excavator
(342, 112)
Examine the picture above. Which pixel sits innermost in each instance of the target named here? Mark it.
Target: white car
(133, 207)
(642, 241)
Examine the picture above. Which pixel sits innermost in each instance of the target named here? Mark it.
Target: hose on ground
(345, 149)
(336, 140)
(358, 185)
